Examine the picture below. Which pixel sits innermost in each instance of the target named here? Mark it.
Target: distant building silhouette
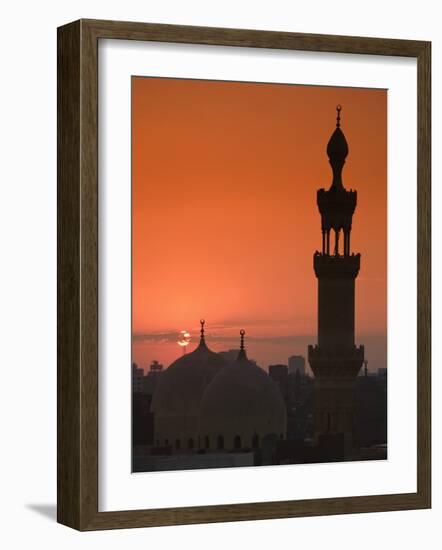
(151, 379)
(335, 360)
(137, 379)
(143, 387)
(297, 364)
(142, 419)
(155, 368)
(371, 411)
(280, 374)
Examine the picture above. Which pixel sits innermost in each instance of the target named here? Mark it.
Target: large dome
(241, 406)
(177, 398)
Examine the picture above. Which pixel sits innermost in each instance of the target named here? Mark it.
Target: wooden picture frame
(77, 225)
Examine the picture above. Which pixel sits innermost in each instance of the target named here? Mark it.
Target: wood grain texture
(424, 274)
(68, 276)
(77, 224)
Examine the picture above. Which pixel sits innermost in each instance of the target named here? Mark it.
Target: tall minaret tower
(336, 361)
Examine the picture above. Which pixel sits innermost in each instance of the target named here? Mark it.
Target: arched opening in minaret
(347, 243)
(339, 249)
(190, 443)
(255, 441)
(328, 422)
(337, 233)
(326, 241)
(237, 442)
(206, 442)
(220, 442)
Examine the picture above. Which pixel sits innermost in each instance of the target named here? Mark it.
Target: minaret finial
(242, 355)
(338, 117)
(242, 333)
(202, 323)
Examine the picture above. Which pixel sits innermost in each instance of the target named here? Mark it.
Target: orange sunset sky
(225, 222)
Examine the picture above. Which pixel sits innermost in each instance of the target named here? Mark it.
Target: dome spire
(242, 355)
(202, 344)
(202, 337)
(337, 151)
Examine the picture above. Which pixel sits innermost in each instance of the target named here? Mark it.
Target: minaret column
(335, 360)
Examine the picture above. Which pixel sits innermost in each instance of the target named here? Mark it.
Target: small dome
(181, 386)
(242, 401)
(337, 151)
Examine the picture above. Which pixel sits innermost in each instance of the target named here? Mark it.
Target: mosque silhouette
(205, 405)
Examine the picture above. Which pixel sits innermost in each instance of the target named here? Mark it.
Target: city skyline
(229, 233)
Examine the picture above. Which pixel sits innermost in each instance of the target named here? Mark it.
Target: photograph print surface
(259, 274)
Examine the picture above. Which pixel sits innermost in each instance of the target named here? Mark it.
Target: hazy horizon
(266, 350)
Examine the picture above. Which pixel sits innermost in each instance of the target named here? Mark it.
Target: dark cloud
(157, 337)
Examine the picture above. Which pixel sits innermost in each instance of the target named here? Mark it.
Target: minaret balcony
(336, 362)
(336, 266)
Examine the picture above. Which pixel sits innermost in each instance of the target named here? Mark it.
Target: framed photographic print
(243, 275)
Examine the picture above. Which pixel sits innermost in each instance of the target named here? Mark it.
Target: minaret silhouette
(336, 361)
